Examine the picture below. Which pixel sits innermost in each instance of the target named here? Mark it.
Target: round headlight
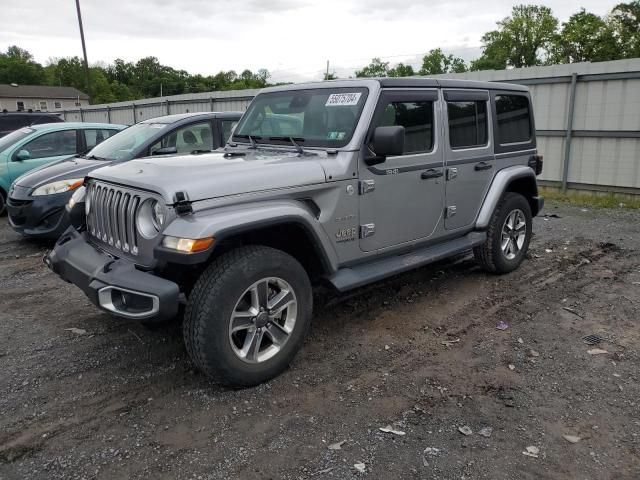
(150, 219)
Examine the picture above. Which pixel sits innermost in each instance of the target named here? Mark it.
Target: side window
(227, 128)
(417, 120)
(467, 123)
(94, 137)
(57, 105)
(187, 139)
(43, 106)
(514, 119)
(52, 144)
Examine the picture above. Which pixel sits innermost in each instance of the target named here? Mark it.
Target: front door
(470, 163)
(44, 149)
(402, 199)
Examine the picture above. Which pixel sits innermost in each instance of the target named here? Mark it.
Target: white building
(41, 98)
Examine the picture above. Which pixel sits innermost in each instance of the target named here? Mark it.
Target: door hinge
(367, 186)
(452, 173)
(367, 230)
(450, 211)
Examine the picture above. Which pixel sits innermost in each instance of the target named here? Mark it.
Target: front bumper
(39, 217)
(114, 285)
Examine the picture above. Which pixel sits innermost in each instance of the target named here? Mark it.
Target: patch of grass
(591, 199)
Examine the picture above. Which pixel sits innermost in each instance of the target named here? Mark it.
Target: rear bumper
(39, 217)
(114, 285)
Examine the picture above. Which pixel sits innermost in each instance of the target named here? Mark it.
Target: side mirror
(22, 155)
(165, 151)
(386, 142)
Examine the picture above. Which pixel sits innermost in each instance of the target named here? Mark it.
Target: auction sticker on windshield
(343, 99)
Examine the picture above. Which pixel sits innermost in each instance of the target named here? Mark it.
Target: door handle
(431, 173)
(482, 166)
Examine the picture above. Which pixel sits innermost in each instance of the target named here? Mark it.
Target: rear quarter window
(513, 114)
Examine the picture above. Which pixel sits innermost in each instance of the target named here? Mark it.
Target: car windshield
(124, 145)
(13, 137)
(322, 117)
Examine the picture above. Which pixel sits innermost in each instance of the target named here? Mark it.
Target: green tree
(401, 70)
(18, 66)
(624, 20)
(377, 68)
(524, 39)
(585, 37)
(436, 62)
(330, 76)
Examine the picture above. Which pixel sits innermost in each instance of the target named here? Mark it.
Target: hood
(213, 175)
(74, 167)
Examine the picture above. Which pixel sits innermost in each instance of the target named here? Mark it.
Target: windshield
(13, 137)
(124, 145)
(323, 117)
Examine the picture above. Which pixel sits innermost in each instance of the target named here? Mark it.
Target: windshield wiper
(201, 150)
(251, 138)
(293, 141)
(93, 157)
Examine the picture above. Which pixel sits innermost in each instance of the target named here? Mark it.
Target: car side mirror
(386, 142)
(22, 155)
(165, 151)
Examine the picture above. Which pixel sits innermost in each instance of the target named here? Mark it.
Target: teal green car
(38, 145)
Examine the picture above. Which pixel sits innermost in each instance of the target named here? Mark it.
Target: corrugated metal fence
(587, 118)
(129, 113)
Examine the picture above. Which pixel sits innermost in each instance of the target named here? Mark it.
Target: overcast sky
(293, 39)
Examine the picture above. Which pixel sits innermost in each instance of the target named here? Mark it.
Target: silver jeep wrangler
(343, 182)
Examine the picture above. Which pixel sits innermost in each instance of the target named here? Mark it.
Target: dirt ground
(419, 353)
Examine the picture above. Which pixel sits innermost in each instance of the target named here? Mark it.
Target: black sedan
(37, 199)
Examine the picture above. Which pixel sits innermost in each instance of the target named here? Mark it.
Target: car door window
(187, 139)
(417, 120)
(94, 137)
(52, 144)
(467, 123)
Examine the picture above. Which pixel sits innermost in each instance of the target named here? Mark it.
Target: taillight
(535, 162)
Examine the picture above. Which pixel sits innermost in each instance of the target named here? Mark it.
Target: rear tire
(247, 315)
(3, 203)
(508, 235)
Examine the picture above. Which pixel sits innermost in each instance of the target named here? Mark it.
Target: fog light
(187, 245)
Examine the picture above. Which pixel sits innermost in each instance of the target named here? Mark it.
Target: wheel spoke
(505, 242)
(260, 294)
(277, 333)
(251, 347)
(242, 320)
(279, 302)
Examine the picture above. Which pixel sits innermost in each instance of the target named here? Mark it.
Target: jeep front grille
(112, 216)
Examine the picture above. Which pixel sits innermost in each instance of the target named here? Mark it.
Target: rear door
(470, 160)
(401, 199)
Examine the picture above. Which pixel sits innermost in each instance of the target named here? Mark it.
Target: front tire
(508, 235)
(247, 315)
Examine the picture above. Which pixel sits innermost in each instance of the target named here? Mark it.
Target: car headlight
(150, 219)
(58, 187)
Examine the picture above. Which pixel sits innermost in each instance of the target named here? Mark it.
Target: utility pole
(326, 75)
(84, 49)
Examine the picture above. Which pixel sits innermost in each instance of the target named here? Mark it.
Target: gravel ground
(419, 353)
